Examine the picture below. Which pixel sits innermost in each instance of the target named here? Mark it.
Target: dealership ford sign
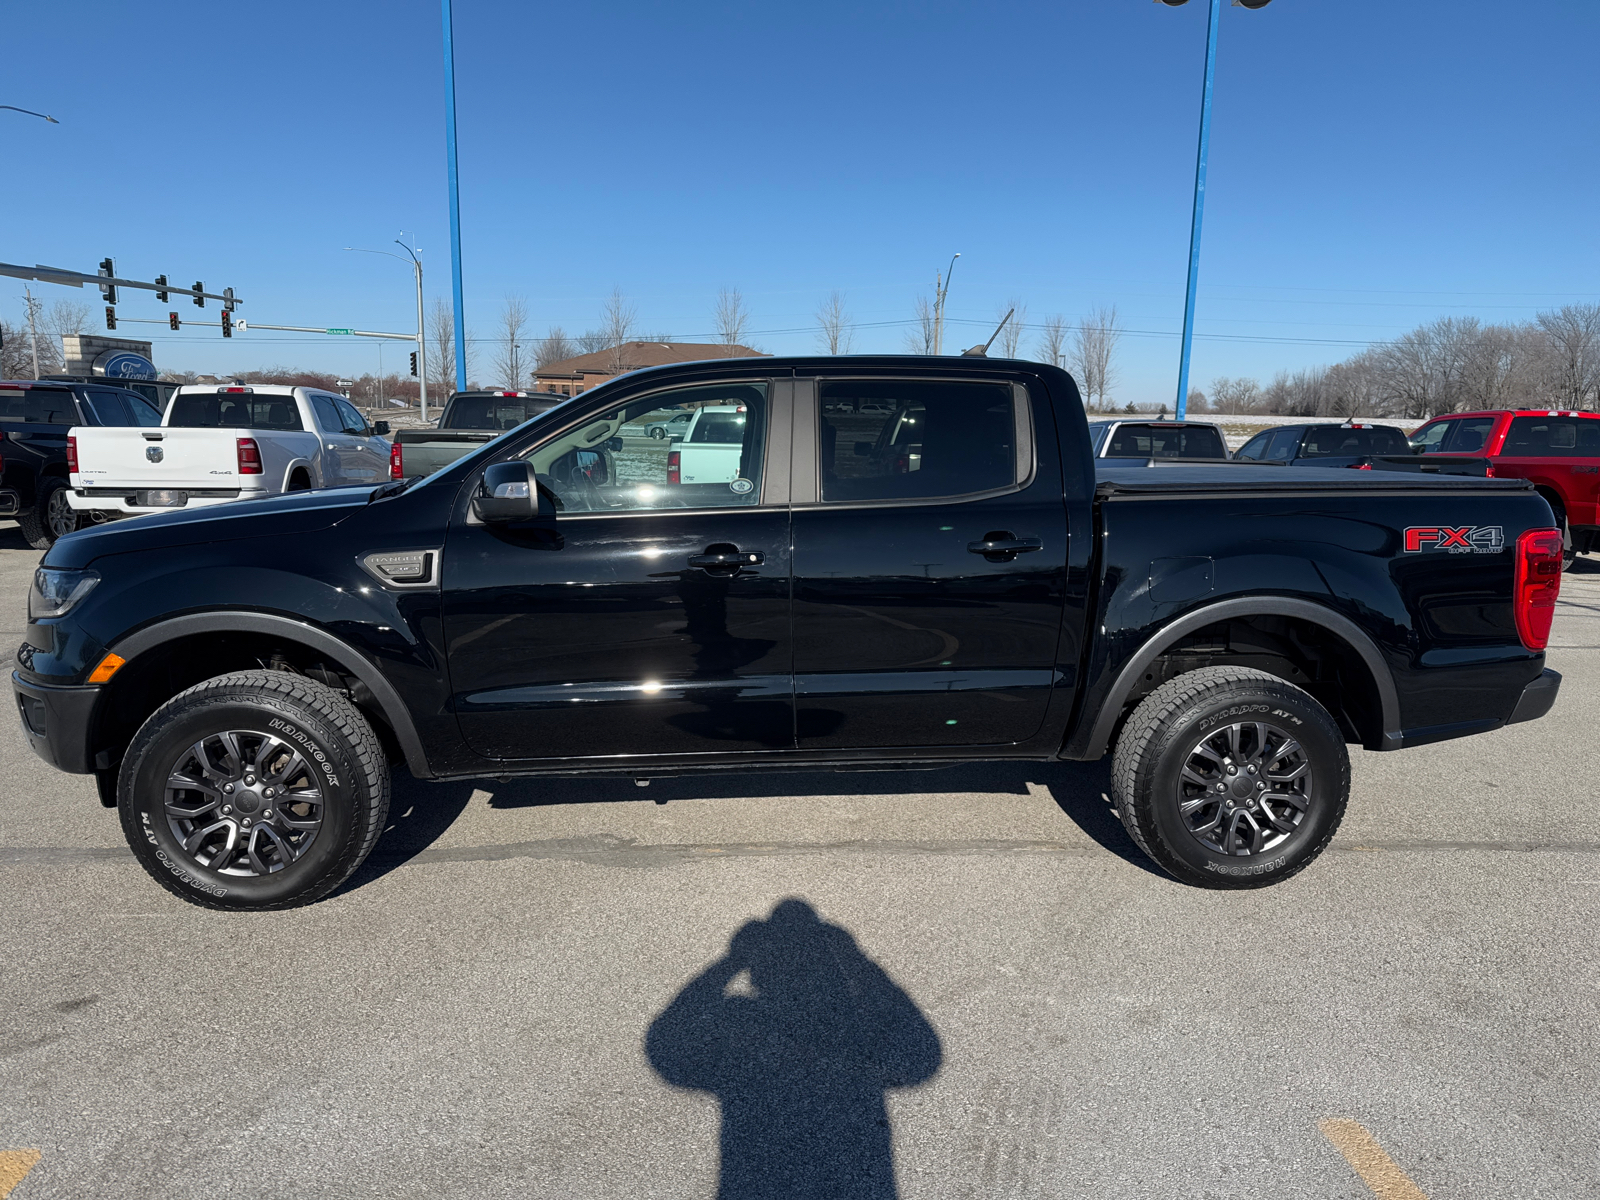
(124, 364)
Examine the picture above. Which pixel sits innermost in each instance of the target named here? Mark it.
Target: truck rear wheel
(51, 518)
(1230, 778)
(259, 789)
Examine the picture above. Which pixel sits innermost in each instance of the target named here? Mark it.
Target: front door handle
(1002, 545)
(726, 559)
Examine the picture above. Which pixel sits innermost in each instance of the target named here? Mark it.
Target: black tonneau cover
(1247, 478)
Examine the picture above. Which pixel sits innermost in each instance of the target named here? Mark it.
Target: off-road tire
(334, 739)
(35, 522)
(1155, 744)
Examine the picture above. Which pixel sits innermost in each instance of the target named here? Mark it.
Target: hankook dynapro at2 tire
(1230, 778)
(259, 789)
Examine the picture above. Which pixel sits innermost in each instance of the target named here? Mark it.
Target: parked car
(217, 445)
(1158, 439)
(1229, 632)
(36, 420)
(469, 420)
(672, 429)
(1557, 451)
(714, 446)
(156, 392)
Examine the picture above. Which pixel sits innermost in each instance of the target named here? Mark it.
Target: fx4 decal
(1464, 539)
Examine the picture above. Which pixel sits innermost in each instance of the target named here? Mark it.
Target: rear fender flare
(346, 656)
(296, 464)
(1263, 606)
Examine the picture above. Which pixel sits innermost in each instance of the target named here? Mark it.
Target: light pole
(940, 291)
(422, 342)
(29, 112)
(1200, 189)
(455, 195)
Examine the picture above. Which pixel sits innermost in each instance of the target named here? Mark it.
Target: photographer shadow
(798, 1034)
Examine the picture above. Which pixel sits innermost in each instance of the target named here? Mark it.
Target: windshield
(234, 410)
(498, 413)
(1337, 441)
(1166, 441)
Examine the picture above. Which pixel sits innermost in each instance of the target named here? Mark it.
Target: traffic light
(228, 302)
(111, 317)
(172, 319)
(200, 301)
(162, 294)
(413, 363)
(227, 323)
(109, 270)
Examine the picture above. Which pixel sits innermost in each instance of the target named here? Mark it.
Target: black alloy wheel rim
(60, 515)
(244, 803)
(1245, 788)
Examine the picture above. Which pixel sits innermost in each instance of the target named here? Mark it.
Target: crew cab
(469, 420)
(36, 420)
(1349, 444)
(1558, 451)
(216, 445)
(1158, 440)
(998, 595)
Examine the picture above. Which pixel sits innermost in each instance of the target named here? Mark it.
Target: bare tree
(509, 363)
(64, 318)
(1574, 335)
(1197, 402)
(1011, 333)
(834, 333)
(617, 321)
(16, 350)
(1235, 396)
(920, 338)
(554, 347)
(442, 339)
(591, 341)
(1093, 354)
(732, 318)
(1053, 340)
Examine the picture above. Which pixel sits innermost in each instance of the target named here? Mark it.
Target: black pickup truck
(239, 680)
(35, 455)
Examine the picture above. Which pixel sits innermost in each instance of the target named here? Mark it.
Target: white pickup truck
(216, 445)
(712, 447)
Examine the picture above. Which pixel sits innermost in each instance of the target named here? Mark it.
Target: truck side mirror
(615, 445)
(380, 429)
(510, 492)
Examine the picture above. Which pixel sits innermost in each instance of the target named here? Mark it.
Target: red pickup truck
(1558, 451)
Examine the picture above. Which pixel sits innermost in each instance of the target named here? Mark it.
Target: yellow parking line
(1381, 1174)
(14, 1164)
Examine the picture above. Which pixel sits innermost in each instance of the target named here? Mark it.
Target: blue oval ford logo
(124, 364)
(153, 453)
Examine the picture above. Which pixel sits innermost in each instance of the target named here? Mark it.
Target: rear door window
(1255, 448)
(915, 440)
(327, 415)
(106, 407)
(50, 406)
(1165, 441)
(1553, 437)
(1281, 445)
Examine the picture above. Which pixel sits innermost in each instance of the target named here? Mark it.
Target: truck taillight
(249, 457)
(1538, 583)
(1488, 471)
(674, 466)
(72, 454)
(1361, 466)
(397, 465)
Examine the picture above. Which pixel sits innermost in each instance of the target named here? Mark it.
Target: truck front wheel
(1230, 778)
(259, 789)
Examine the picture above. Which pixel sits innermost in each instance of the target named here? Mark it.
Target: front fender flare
(319, 639)
(1105, 723)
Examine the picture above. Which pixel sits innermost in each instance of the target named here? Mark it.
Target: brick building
(573, 375)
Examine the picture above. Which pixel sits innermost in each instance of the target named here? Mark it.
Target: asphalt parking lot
(970, 984)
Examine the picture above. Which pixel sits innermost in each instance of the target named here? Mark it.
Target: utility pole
(455, 196)
(940, 291)
(422, 341)
(33, 329)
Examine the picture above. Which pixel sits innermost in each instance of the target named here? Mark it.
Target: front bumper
(55, 720)
(1538, 698)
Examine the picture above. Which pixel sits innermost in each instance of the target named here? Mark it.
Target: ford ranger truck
(914, 562)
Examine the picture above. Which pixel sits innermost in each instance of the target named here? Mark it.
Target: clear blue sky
(1374, 164)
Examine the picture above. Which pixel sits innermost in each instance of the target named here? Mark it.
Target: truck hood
(281, 516)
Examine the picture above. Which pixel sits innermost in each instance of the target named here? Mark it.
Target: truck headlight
(55, 592)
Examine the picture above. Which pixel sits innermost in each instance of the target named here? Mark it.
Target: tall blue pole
(455, 197)
(1199, 210)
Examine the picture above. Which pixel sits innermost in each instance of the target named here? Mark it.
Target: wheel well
(1557, 504)
(160, 673)
(1298, 651)
(299, 477)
